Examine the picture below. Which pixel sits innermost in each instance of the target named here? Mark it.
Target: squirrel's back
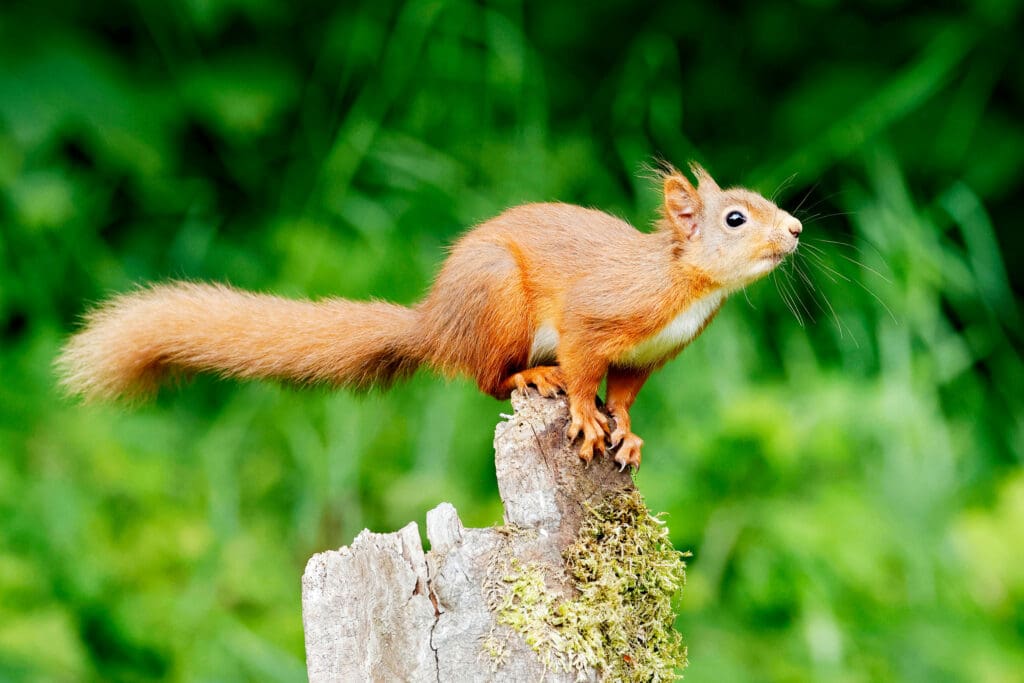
(555, 228)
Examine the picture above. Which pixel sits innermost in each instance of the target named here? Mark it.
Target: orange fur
(129, 344)
(540, 285)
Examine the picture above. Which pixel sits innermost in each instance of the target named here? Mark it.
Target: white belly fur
(545, 344)
(679, 331)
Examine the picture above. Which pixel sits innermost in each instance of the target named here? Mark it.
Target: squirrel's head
(735, 235)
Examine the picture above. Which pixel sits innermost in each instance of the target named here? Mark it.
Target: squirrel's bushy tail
(131, 342)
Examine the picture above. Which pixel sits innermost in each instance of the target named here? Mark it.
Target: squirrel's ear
(704, 179)
(682, 205)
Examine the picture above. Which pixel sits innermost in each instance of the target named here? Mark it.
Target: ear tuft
(704, 179)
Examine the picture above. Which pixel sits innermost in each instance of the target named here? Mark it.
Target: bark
(383, 610)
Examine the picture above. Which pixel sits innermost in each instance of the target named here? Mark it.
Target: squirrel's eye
(735, 219)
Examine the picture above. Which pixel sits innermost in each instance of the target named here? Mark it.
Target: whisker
(821, 254)
(807, 244)
(880, 303)
(839, 242)
(783, 185)
(782, 295)
(813, 250)
(829, 271)
(799, 271)
(820, 262)
(796, 295)
(787, 297)
(746, 296)
(823, 216)
(819, 201)
(824, 297)
(853, 247)
(806, 195)
(865, 267)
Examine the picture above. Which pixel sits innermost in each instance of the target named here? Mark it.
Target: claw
(629, 452)
(574, 430)
(547, 379)
(586, 452)
(592, 424)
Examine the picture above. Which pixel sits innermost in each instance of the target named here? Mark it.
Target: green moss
(626, 573)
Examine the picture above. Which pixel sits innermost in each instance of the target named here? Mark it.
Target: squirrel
(551, 295)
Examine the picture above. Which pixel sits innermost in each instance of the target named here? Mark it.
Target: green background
(851, 487)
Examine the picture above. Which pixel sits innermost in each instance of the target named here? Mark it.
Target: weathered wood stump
(383, 610)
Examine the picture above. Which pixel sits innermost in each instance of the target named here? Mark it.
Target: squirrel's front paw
(594, 426)
(628, 454)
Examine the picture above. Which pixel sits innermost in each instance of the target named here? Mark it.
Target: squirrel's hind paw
(628, 454)
(547, 378)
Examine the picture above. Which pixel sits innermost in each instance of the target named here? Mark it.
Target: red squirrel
(550, 295)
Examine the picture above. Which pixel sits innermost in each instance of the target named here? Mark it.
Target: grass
(849, 486)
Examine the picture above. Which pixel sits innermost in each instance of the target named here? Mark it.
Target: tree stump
(383, 610)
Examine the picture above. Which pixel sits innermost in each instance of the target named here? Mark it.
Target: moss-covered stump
(578, 584)
(624, 573)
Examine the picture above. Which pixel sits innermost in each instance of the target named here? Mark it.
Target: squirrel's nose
(795, 227)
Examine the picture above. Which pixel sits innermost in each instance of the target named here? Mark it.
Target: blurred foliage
(850, 486)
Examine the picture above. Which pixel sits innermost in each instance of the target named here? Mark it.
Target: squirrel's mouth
(766, 264)
(777, 257)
